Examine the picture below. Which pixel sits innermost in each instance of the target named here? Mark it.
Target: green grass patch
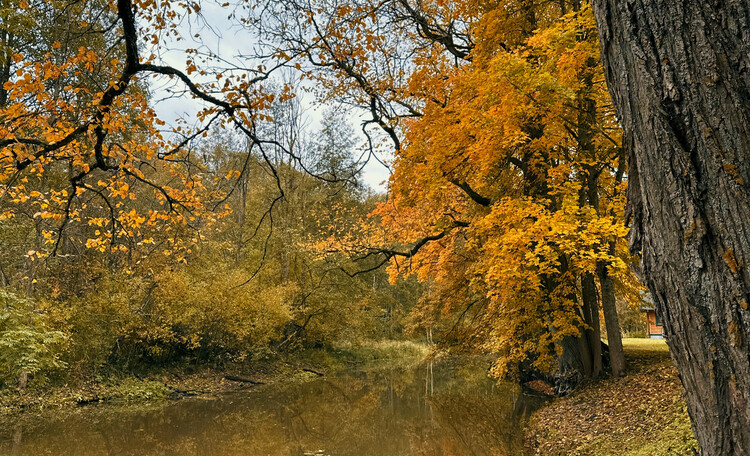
(348, 355)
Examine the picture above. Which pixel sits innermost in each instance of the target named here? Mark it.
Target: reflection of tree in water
(378, 413)
(481, 425)
(471, 416)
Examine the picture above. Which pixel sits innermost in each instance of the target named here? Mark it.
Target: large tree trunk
(679, 75)
(580, 357)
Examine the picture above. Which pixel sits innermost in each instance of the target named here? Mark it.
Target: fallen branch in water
(92, 400)
(234, 378)
(319, 374)
(184, 393)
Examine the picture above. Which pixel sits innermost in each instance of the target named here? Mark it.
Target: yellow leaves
(96, 244)
(7, 215)
(132, 219)
(121, 190)
(499, 148)
(16, 57)
(48, 236)
(48, 215)
(35, 254)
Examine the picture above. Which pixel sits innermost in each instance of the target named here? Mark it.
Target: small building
(654, 326)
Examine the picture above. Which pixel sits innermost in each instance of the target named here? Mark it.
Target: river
(430, 410)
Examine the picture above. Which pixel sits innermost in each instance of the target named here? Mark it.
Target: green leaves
(26, 344)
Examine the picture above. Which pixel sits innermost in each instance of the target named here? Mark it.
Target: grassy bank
(164, 383)
(642, 414)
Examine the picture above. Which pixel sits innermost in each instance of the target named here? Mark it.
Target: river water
(426, 410)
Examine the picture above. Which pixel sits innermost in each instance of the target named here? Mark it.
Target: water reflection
(430, 410)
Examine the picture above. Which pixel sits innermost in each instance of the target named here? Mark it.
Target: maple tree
(507, 193)
(525, 164)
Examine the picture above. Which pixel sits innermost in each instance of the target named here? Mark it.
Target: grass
(384, 350)
(124, 390)
(642, 414)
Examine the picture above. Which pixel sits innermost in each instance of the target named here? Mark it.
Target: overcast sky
(222, 37)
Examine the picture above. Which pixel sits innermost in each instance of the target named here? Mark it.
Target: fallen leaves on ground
(640, 414)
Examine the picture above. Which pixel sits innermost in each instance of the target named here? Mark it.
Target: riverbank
(642, 414)
(174, 382)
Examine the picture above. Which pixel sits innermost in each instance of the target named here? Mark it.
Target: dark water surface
(438, 410)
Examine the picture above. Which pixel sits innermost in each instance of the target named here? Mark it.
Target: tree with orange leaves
(522, 170)
(507, 192)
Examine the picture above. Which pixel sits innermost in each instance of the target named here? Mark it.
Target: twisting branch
(388, 254)
(437, 34)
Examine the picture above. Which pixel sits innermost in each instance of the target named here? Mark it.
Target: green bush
(26, 343)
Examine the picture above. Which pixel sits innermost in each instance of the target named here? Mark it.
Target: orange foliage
(519, 168)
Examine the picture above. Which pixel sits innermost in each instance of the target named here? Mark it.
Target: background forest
(240, 287)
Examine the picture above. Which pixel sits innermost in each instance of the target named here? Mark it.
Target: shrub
(26, 343)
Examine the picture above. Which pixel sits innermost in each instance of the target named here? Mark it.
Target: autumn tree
(524, 170)
(678, 78)
(507, 192)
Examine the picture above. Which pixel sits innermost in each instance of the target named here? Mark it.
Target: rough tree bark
(679, 75)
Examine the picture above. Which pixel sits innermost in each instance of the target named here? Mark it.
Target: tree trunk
(573, 364)
(679, 75)
(577, 360)
(23, 380)
(593, 334)
(611, 320)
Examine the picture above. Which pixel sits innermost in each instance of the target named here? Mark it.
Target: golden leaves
(499, 147)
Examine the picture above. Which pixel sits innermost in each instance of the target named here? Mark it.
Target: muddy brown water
(426, 410)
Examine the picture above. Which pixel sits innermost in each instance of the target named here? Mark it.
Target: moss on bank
(642, 414)
(163, 383)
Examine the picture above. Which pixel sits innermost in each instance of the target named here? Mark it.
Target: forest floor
(198, 379)
(642, 414)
